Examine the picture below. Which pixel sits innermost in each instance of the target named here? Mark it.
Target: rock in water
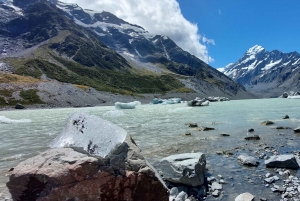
(297, 130)
(267, 123)
(65, 174)
(244, 197)
(95, 135)
(188, 169)
(254, 137)
(248, 160)
(282, 161)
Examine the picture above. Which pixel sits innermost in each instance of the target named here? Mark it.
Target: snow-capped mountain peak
(260, 70)
(254, 50)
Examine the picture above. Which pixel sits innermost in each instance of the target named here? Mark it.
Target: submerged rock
(254, 137)
(188, 169)
(244, 197)
(248, 160)
(282, 161)
(203, 128)
(282, 127)
(224, 134)
(66, 174)
(267, 123)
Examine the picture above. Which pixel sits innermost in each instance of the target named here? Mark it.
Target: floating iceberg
(91, 133)
(130, 105)
(166, 101)
(198, 102)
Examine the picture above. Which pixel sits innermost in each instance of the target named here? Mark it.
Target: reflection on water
(159, 130)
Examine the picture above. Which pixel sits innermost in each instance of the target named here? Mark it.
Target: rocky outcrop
(283, 161)
(188, 169)
(74, 174)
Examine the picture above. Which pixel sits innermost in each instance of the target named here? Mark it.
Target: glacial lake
(159, 130)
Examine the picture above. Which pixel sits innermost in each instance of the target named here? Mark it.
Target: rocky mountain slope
(58, 43)
(267, 74)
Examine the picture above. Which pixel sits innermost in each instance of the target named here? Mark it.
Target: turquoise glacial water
(159, 130)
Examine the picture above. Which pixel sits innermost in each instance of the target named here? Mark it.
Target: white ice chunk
(95, 135)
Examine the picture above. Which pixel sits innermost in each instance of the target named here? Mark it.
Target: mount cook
(266, 74)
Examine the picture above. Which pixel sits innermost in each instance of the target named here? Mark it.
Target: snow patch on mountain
(296, 62)
(9, 3)
(271, 65)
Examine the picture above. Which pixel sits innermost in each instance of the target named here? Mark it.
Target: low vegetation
(114, 81)
(26, 97)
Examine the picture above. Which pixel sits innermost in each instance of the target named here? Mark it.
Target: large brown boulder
(66, 174)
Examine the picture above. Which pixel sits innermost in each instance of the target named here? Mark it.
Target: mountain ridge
(267, 74)
(48, 43)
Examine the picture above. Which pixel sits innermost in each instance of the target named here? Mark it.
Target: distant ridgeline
(52, 40)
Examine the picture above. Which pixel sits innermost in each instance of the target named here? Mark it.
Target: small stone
(263, 199)
(188, 133)
(216, 186)
(250, 130)
(299, 189)
(210, 179)
(203, 128)
(269, 175)
(274, 189)
(254, 137)
(225, 135)
(244, 197)
(216, 193)
(269, 180)
(193, 125)
(222, 181)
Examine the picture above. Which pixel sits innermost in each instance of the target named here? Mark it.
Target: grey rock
(244, 197)
(267, 123)
(248, 160)
(19, 106)
(216, 193)
(269, 180)
(282, 161)
(188, 169)
(297, 130)
(182, 196)
(216, 186)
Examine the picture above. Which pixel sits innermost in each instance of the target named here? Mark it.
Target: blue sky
(235, 25)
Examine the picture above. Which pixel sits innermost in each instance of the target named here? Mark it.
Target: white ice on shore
(95, 135)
